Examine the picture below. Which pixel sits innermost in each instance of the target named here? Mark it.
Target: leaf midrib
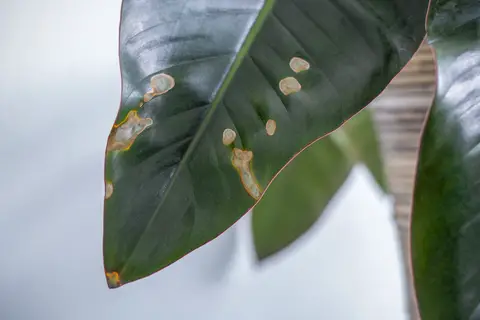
(247, 43)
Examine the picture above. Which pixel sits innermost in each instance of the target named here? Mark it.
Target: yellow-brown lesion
(113, 279)
(160, 84)
(124, 134)
(228, 136)
(108, 189)
(299, 65)
(289, 85)
(271, 127)
(241, 160)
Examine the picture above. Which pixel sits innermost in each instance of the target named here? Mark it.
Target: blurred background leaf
(359, 141)
(301, 192)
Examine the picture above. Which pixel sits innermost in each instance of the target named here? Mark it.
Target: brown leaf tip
(241, 160)
(289, 85)
(271, 127)
(160, 84)
(298, 65)
(108, 189)
(228, 137)
(113, 280)
(123, 135)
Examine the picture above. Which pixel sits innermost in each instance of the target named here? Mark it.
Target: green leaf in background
(359, 141)
(445, 227)
(299, 195)
(205, 84)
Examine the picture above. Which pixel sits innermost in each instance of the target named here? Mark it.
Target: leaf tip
(113, 280)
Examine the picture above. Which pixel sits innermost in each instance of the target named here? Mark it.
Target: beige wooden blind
(399, 113)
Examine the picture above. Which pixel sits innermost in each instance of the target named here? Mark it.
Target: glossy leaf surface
(171, 183)
(446, 212)
(297, 198)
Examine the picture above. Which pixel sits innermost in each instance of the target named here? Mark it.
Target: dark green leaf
(298, 196)
(446, 212)
(175, 188)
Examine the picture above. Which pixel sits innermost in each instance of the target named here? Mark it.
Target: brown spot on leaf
(298, 65)
(160, 84)
(228, 137)
(124, 134)
(148, 96)
(241, 160)
(113, 280)
(108, 189)
(289, 85)
(271, 127)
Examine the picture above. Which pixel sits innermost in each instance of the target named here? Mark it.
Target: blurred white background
(59, 93)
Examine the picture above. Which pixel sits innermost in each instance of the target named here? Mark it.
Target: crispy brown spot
(289, 85)
(160, 84)
(241, 160)
(271, 127)
(108, 189)
(113, 280)
(228, 137)
(124, 134)
(299, 65)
